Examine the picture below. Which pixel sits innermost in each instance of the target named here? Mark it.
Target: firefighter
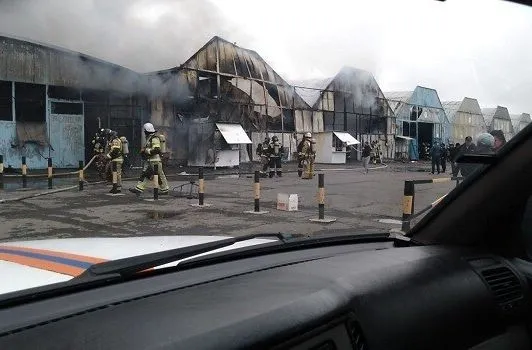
(101, 148)
(275, 152)
(116, 156)
(262, 152)
(151, 153)
(300, 157)
(308, 154)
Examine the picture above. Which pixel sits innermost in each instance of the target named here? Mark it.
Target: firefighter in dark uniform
(275, 152)
(300, 156)
(308, 154)
(262, 152)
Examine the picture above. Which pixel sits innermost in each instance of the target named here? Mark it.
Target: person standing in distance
(152, 154)
(366, 155)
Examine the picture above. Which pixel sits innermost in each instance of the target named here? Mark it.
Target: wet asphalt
(360, 203)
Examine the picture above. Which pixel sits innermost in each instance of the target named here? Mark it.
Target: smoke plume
(144, 35)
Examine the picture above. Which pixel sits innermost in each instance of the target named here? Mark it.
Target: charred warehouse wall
(353, 102)
(220, 83)
(53, 100)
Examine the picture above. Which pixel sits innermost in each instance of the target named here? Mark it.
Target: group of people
(271, 152)
(112, 149)
(486, 143)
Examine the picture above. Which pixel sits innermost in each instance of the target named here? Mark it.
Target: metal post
(81, 174)
(156, 182)
(50, 174)
(321, 196)
(201, 186)
(321, 202)
(408, 205)
(256, 190)
(1, 172)
(24, 172)
(115, 177)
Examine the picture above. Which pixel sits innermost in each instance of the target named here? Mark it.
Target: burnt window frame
(54, 104)
(6, 100)
(22, 103)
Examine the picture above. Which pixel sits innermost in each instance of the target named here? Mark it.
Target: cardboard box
(287, 202)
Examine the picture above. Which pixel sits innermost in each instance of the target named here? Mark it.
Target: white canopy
(346, 137)
(403, 137)
(233, 134)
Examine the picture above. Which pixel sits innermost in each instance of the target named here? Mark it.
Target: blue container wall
(13, 155)
(429, 98)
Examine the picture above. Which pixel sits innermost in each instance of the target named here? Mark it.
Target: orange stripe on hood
(43, 264)
(84, 258)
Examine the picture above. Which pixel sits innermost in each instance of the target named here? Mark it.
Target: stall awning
(233, 134)
(403, 137)
(346, 137)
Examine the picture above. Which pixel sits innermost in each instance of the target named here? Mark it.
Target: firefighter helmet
(148, 127)
(308, 135)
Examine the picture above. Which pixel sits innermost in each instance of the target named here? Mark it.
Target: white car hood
(28, 264)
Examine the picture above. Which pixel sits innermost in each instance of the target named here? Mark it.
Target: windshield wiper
(120, 269)
(131, 265)
(125, 267)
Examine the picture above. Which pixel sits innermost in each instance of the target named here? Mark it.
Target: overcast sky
(475, 48)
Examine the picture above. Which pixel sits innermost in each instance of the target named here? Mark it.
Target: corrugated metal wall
(119, 106)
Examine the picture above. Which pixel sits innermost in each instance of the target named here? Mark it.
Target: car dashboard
(356, 296)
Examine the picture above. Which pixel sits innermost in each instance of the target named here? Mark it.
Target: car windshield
(130, 127)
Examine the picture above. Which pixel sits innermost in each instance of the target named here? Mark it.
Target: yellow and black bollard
(156, 182)
(256, 196)
(256, 192)
(408, 205)
(321, 202)
(115, 177)
(81, 175)
(50, 174)
(201, 187)
(321, 196)
(24, 169)
(201, 191)
(1, 172)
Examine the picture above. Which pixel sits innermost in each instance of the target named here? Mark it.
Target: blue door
(66, 134)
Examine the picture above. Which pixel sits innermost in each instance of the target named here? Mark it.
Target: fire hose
(57, 174)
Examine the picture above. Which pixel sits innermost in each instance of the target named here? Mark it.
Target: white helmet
(148, 127)
(308, 134)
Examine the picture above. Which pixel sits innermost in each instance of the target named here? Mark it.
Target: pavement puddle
(390, 221)
(157, 214)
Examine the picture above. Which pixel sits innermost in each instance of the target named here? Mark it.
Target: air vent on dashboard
(503, 283)
(355, 333)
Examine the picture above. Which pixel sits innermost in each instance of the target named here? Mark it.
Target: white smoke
(144, 35)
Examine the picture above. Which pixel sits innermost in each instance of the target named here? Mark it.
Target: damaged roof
(310, 90)
(491, 113)
(31, 61)
(359, 86)
(402, 101)
(219, 56)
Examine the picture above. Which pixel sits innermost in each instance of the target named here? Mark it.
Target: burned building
(351, 102)
(53, 100)
(421, 120)
(222, 83)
